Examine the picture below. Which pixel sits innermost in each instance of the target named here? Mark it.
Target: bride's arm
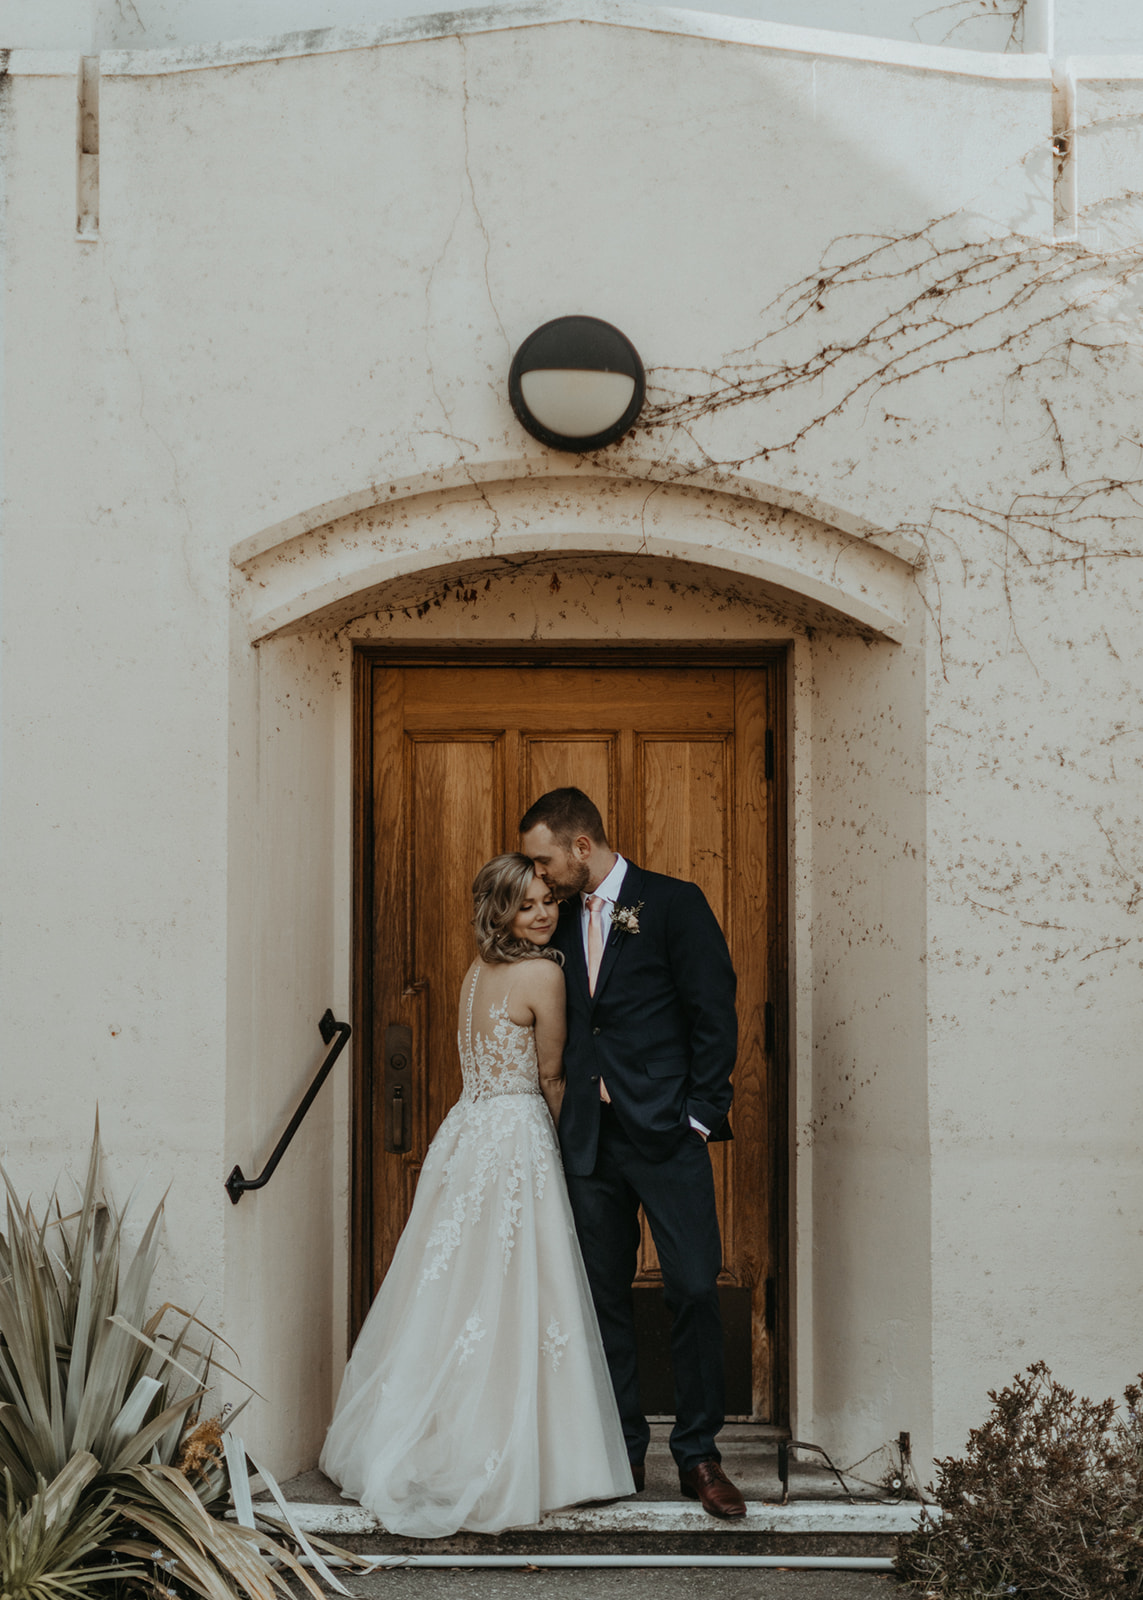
(545, 996)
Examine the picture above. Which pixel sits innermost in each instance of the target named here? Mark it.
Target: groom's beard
(575, 883)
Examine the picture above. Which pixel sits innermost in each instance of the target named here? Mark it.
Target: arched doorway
(538, 567)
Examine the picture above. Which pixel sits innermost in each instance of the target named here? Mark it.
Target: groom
(652, 1036)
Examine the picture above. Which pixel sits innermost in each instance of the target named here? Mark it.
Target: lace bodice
(494, 1151)
(497, 1055)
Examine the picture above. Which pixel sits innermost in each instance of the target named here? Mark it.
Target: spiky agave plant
(97, 1403)
(50, 1548)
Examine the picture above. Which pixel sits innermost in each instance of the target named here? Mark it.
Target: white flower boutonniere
(626, 918)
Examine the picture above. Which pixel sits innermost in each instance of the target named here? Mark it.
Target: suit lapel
(628, 896)
(571, 942)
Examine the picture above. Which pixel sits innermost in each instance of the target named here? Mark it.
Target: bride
(477, 1395)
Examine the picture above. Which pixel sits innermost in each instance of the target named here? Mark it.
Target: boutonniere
(626, 918)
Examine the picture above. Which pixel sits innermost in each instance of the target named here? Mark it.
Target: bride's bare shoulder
(540, 977)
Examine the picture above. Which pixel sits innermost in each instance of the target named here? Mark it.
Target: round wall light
(577, 383)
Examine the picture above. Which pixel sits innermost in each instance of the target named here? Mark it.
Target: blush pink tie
(594, 905)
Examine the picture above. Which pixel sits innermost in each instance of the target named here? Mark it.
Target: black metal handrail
(338, 1032)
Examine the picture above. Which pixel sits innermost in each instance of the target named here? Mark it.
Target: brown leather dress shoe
(709, 1485)
(639, 1473)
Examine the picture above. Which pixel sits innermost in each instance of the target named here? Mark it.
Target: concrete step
(632, 1527)
(818, 1520)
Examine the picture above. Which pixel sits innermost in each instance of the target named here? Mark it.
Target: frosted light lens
(573, 404)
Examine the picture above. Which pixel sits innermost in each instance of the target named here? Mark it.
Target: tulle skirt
(477, 1395)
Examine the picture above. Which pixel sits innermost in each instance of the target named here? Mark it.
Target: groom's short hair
(566, 813)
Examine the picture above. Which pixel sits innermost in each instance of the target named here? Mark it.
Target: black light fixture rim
(631, 367)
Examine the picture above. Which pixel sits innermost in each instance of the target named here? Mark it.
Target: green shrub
(1046, 1502)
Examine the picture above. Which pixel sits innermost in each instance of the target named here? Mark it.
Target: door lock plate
(398, 1096)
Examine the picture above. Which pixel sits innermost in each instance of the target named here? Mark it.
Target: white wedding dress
(477, 1395)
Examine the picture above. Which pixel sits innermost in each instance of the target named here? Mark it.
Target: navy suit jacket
(660, 1029)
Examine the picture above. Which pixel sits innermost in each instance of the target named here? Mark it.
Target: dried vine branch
(950, 301)
(969, 11)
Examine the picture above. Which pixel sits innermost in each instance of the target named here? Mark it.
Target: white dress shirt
(608, 892)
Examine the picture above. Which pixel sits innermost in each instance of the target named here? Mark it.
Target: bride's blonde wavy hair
(498, 892)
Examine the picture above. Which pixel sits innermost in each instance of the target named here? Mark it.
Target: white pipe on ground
(815, 1563)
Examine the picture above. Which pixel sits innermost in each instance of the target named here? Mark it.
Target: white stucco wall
(1000, 25)
(1061, 27)
(867, 1135)
(242, 422)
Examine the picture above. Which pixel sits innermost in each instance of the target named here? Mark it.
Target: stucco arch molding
(327, 574)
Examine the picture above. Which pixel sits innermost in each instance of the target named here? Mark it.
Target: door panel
(675, 757)
(550, 763)
(455, 784)
(683, 801)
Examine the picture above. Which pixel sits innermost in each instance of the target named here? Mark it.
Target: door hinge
(771, 1305)
(769, 1028)
(769, 752)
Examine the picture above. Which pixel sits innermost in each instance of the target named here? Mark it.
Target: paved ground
(655, 1583)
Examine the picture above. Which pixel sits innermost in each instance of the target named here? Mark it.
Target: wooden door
(680, 760)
